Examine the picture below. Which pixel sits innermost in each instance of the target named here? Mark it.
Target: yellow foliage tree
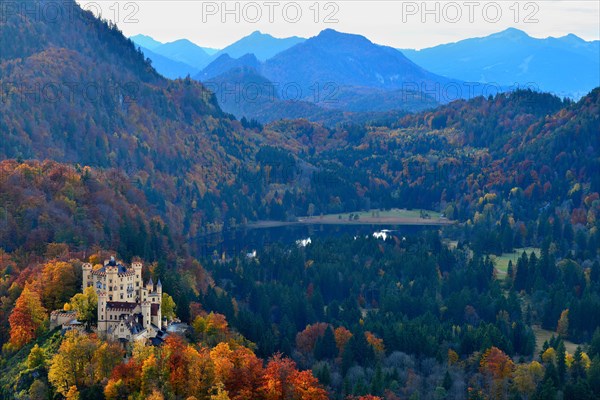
(72, 394)
(452, 357)
(58, 283)
(549, 355)
(527, 377)
(86, 305)
(562, 328)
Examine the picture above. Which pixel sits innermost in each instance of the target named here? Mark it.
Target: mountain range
(261, 45)
(347, 72)
(333, 71)
(567, 66)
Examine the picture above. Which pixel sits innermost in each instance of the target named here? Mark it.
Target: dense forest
(148, 165)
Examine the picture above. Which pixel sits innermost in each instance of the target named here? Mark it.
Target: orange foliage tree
(283, 381)
(307, 339)
(498, 368)
(28, 318)
(342, 336)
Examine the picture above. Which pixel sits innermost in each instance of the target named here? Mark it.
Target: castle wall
(117, 284)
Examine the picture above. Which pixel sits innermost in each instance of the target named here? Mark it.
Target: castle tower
(87, 276)
(146, 314)
(137, 279)
(102, 320)
(112, 279)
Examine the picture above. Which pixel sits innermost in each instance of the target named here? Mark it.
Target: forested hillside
(193, 162)
(102, 156)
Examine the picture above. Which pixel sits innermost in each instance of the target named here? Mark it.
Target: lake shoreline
(264, 224)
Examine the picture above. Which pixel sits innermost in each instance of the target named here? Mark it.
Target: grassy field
(389, 217)
(377, 214)
(501, 262)
(541, 335)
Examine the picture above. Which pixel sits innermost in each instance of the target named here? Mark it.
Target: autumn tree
(527, 377)
(307, 339)
(182, 364)
(106, 357)
(497, 367)
(342, 336)
(452, 357)
(219, 393)
(36, 357)
(115, 390)
(28, 318)
(38, 390)
(86, 306)
(129, 373)
(72, 394)
(230, 364)
(376, 343)
(210, 329)
(82, 361)
(150, 375)
(283, 381)
(168, 307)
(306, 386)
(58, 283)
(562, 327)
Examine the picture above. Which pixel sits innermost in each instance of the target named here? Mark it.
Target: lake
(245, 240)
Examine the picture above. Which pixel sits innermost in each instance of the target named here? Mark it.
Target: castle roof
(121, 269)
(121, 305)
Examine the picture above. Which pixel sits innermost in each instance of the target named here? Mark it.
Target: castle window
(121, 296)
(110, 317)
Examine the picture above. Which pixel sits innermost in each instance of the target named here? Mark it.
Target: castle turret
(137, 284)
(150, 286)
(159, 287)
(112, 273)
(87, 276)
(146, 317)
(102, 320)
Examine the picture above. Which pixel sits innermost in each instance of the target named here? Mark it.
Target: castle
(128, 310)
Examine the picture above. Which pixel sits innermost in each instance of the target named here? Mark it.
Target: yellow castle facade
(128, 309)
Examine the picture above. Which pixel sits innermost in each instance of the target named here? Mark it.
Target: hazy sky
(401, 24)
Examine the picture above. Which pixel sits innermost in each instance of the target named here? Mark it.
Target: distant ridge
(262, 45)
(567, 66)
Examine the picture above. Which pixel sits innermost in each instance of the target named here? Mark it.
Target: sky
(400, 24)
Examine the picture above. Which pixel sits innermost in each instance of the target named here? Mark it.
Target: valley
(398, 243)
